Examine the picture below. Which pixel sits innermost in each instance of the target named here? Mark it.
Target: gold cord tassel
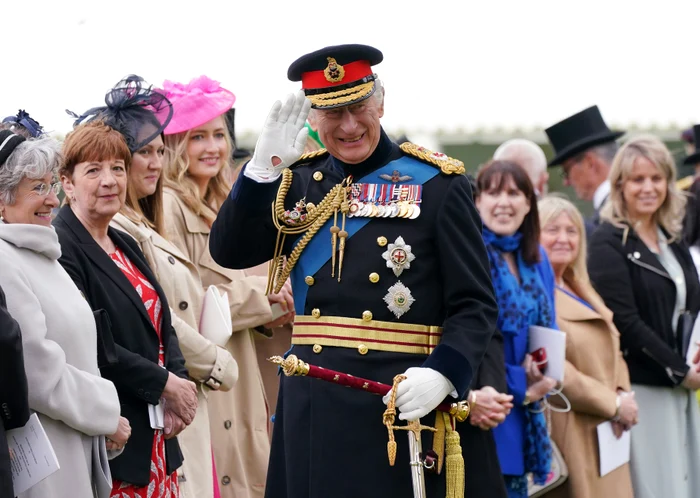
(388, 419)
(334, 240)
(454, 461)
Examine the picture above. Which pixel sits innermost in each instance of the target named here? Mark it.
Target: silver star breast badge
(399, 299)
(398, 256)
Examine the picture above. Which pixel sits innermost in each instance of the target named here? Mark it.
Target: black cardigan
(642, 296)
(138, 378)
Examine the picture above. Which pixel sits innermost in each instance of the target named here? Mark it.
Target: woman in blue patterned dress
(508, 207)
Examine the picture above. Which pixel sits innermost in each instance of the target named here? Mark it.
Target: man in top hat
(390, 276)
(584, 146)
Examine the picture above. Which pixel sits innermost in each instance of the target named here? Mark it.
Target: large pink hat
(196, 103)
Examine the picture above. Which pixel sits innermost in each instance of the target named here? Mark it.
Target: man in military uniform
(390, 276)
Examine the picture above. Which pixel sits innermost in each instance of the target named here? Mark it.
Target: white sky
(447, 64)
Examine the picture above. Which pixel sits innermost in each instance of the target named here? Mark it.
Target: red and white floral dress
(160, 484)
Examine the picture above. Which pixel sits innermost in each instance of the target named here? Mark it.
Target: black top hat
(336, 76)
(694, 158)
(579, 132)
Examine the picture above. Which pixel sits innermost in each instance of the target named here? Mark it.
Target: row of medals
(402, 201)
(400, 209)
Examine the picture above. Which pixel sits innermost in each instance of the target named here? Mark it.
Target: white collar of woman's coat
(37, 238)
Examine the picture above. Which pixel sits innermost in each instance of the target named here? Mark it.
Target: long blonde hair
(576, 273)
(670, 215)
(177, 177)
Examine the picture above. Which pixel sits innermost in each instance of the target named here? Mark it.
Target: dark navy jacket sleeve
(14, 411)
(247, 210)
(468, 293)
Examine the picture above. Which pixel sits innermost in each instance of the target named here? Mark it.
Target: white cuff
(261, 175)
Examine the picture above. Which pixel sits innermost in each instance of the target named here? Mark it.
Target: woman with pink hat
(198, 151)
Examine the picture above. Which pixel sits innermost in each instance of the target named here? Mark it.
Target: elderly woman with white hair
(75, 405)
(646, 276)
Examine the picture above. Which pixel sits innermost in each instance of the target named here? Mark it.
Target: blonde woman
(198, 149)
(646, 276)
(597, 380)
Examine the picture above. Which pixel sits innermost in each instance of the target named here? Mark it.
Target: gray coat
(75, 405)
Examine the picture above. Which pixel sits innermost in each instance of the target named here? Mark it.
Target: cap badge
(334, 72)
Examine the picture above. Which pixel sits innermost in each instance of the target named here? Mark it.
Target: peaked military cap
(337, 76)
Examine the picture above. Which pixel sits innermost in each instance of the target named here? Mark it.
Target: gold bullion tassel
(454, 461)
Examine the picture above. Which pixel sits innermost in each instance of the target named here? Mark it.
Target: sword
(415, 448)
(293, 366)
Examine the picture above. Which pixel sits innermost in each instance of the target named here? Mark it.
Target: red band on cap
(353, 71)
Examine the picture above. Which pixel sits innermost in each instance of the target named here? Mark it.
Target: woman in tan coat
(211, 367)
(198, 149)
(597, 381)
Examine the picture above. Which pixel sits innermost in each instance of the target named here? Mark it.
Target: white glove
(421, 392)
(283, 136)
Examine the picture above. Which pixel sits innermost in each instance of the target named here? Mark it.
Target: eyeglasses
(44, 189)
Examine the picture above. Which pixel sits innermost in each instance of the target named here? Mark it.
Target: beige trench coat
(594, 371)
(276, 344)
(240, 418)
(180, 281)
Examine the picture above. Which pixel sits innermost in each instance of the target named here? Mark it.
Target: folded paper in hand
(215, 323)
(554, 343)
(32, 458)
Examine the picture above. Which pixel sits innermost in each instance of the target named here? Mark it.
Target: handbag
(558, 474)
(559, 471)
(684, 331)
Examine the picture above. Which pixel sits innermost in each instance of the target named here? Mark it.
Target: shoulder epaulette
(447, 164)
(305, 158)
(685, 183)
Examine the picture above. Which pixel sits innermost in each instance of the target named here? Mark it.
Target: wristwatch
(526, 400)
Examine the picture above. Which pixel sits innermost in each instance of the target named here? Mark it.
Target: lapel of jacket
(571, 310)
(102, 260)
(639, 254)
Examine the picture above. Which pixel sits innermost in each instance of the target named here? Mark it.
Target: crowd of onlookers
(103, 294)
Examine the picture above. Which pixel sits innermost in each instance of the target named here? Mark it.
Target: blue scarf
(519, 307)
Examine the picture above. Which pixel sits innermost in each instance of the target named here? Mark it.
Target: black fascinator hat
(134, 109)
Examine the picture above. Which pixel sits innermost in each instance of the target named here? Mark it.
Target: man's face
(350, 133)
(579, 172)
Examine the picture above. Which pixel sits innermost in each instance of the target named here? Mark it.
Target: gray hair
(525, 153)
(606, 152)
(32, 159)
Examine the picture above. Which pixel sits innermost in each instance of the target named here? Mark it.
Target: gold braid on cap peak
(345, 96)
(447, 165)
(308, 156)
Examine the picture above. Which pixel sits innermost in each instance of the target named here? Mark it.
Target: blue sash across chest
(319, 250)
